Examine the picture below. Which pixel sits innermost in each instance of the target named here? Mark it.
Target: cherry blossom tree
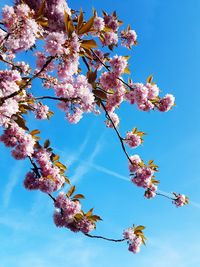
(75, 58)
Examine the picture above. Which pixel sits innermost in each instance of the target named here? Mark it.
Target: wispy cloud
(71, 157)
(109, 172)
(14, 176)
(85, 165)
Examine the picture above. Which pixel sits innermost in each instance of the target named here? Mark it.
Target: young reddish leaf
(60, 165)
(41, 9)
(55, 158)
(149, 79)
(71, 191)
(46, 143)
(34, 132)
(96, 218)
(87, 26)
(140, 228)
(89, 213)
(67, 180)
(78, 216)
(80, 20)
(79, 196)
(100, 94)
(88, 44)
(20, 121)
(127, 71)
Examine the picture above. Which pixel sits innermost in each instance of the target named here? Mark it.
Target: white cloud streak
(84, 166)
(14, 176)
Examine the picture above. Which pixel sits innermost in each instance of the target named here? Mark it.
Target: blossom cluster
(48, 177)
(65, 39)
(68, 214)
(21, 142)
(134, 138)
(135, 238)
(79, 93)
(180, 200)
(9, 80)
(146, 97)
(143, 176)
(22, 28)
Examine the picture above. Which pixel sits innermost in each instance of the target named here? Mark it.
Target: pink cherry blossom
(136, 160)
(98, 24)
(180, 200)
(166, 103)
(133, 139)
(128, 38)
(118, 64)
(151, 191)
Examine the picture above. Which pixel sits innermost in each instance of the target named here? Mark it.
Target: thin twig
(105, 238)
(27, 82)
(160, 194)
(108, 69)
(36, 170)
(117, 132)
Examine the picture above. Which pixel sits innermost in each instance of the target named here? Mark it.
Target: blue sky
(168, 35)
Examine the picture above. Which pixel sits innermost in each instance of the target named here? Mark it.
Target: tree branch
(108, 69)
(27, 82)
(105, 238)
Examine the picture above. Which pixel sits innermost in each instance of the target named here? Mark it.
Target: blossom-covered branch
(57, 38)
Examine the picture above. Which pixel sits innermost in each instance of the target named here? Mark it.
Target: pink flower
(41, 112)
(153, 90)
(85, 225)
(118, 64)
(109, 80)
(97, 61)
(128, 38)
(54, 43)
(110, 38)
(23, 27)
(133, 140)
(129, 234)
(151, 191)
(166, 103)
(59, 219)
(134, 246)
(134, 167)
(140, 92)
(31, 182)
(143, 177)
(98, 24)
(180, 200)
(115, 119)
(111, 22)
